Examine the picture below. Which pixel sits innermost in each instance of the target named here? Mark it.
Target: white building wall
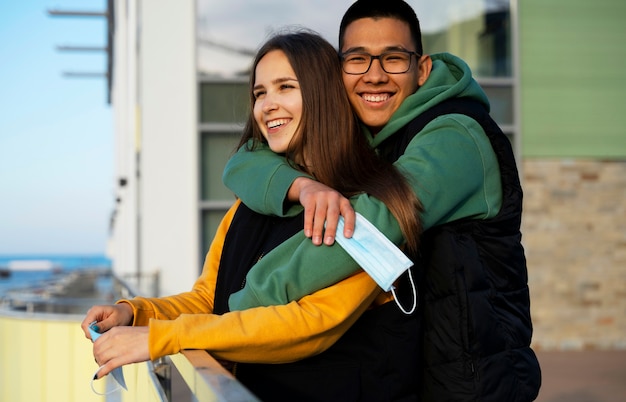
(156, 226)
(168, 203)
(123, 243)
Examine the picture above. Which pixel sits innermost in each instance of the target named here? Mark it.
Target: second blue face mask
(118, 374)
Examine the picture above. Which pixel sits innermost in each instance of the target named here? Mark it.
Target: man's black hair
(375, 9)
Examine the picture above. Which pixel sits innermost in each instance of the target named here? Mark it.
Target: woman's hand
(119, 346)
(322, 204)
(107, 317)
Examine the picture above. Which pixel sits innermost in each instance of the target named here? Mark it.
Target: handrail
(207, 379)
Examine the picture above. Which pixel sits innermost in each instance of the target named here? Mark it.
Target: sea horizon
(65, 260)
(54, 264)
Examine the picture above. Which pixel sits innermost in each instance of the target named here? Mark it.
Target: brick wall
(574, 232)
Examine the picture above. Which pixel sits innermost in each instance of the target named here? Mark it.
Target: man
(473, 292)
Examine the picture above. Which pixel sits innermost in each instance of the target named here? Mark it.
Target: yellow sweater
(275, 334)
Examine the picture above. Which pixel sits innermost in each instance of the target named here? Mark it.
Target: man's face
(376, 95)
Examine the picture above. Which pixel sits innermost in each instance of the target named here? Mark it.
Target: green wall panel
(573, 89)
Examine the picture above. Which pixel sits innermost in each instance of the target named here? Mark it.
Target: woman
(300, 109)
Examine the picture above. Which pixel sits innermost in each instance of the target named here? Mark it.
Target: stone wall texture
(574, 233)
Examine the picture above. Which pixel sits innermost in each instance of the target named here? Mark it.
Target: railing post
(163, 371)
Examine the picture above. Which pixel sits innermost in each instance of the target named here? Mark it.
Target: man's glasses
(396, 62)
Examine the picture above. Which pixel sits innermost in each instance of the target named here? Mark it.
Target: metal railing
(44, 356)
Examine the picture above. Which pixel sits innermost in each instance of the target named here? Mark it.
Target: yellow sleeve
(275, 334)
(199, 299)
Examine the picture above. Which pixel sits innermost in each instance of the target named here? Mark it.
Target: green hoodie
(450, 165)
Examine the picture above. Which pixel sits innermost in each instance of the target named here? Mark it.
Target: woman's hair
(337, 153)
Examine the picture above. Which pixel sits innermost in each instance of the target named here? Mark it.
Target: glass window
(215, 149)
(501, 101)
(209, 223)
(478, 31)
(224, 101)
(223, 109)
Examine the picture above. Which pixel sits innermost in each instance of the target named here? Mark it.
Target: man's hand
(322, 205)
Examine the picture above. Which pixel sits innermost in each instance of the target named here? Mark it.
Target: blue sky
(56, 133)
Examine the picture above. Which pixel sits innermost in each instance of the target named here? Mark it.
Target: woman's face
(278, 101)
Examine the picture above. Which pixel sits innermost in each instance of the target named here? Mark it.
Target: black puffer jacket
(474, 289)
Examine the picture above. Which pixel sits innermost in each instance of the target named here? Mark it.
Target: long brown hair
(337, 153)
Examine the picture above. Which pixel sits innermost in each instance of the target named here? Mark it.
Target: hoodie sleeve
(297, 267)
(276, 334)
(261, 179)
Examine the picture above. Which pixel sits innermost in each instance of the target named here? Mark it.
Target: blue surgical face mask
(117, 373)
(377, 255)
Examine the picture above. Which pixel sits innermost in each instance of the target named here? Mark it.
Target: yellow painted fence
(46, 357)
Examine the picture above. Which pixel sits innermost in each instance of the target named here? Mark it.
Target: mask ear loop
(105, 393)
(395, 298)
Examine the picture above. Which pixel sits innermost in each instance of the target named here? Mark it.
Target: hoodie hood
(450, 77)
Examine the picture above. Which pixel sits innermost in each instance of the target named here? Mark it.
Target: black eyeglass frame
(380, 60)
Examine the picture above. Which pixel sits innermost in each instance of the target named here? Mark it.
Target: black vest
(375, 360)
(474, 288)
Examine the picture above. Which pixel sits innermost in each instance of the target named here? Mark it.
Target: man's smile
(376, 97)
